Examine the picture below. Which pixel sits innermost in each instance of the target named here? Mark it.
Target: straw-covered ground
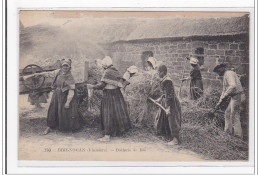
(35, 146)
(201, 131)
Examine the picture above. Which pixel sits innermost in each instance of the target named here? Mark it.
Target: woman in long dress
(168, 123)
(63, 110)
(196, 85)
(114, 115)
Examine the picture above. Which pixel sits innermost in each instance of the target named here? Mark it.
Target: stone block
(173, 47)
(241, 53)
(172, 51)
(223, 46)
(220, 60)
(151, 48)
(244, 59)
(197, 44)
(161, 48)
(184, 55)
(233, 46)
(229, 52)
(188, 45)
(176, 63)
(174, 43)
(180, 59)
(156, 48)
(213, 46)
(220, 52)
(213, 42)
(166, 55)
(186, 51)
(174, 55)
(166, 47)
(242, 46)
(182, 46)
(211, 52)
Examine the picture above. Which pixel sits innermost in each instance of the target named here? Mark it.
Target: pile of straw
(142, 111)
(203, 132)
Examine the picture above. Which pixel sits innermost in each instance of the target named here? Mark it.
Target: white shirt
(231, 84)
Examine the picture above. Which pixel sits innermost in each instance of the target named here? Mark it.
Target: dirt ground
(138, 144)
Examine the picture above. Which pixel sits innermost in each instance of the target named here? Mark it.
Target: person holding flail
(168, 123)
(231, 88)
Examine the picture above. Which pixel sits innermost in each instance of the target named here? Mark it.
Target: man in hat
(231, 88)
(196, 85)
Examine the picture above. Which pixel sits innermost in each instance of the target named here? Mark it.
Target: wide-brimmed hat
(218, 67)
(194, 60)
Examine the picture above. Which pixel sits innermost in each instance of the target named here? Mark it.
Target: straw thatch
(185, 27)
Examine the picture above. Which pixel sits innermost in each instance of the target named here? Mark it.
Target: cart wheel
(35, 82)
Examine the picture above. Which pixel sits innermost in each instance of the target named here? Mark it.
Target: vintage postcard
(134, 86)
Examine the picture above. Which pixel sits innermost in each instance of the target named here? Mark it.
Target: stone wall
(234, 52)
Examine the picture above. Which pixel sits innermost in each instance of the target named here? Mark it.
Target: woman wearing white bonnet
(196, 85)
(62, 108)
(131, 71)
(114, 115)
(151, 61)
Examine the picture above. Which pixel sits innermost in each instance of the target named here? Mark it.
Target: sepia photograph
(134, 86)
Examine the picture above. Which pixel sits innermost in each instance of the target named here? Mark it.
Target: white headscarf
(194, 60)
(132, 69)
(152, 60)
(106, 62)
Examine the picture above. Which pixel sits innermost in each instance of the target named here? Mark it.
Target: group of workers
(115, 119)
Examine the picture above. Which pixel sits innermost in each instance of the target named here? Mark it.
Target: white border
(12, 103)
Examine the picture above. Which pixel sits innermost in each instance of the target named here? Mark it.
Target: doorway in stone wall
(144, 57)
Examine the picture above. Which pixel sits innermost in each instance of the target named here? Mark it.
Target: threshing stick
(158, 104)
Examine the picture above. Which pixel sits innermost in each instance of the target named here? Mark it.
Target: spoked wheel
(34, 82)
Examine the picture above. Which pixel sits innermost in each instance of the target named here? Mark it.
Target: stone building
(211, 40)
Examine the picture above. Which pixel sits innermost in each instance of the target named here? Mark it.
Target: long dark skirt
(61, 118)
(169, 126)
(114, 115)
(196, 89)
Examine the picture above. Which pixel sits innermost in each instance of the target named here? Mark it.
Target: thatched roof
(185, 27)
